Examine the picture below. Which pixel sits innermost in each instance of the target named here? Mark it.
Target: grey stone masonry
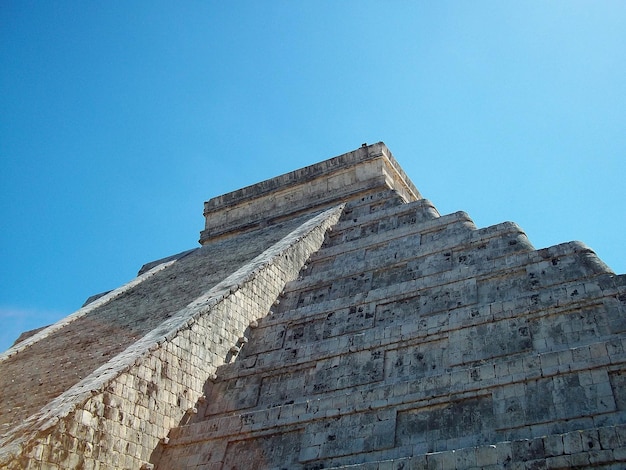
(333, 319)
(414, 340)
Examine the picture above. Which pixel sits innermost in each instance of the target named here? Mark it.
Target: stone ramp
(417, 336)
(135, 397)
(47, 368)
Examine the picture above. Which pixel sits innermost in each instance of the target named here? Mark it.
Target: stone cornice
(312, 188)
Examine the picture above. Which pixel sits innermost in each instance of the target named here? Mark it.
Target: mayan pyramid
(332, 319)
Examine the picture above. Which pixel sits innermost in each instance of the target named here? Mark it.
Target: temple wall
(312, 188)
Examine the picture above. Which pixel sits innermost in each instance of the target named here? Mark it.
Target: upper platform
(308, 189)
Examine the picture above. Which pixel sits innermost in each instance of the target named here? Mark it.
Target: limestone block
(527, 449)
(415, 362)
(489, 340)
(281, 388)
(469, 457)
(572, 442)
(345, 435)
(469, 418)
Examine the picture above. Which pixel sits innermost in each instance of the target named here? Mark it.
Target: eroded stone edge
(43, 334)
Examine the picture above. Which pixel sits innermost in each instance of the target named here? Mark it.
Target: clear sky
(118, 119)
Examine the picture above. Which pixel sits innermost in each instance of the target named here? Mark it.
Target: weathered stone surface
(378, 335)
(484, 340)
(131, 401)
(108, 329)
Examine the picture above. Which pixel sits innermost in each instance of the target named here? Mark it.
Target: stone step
(533, 283)
(506, 249)
(421, 259)
(597, 448)
(308, 338)
(417, 212)
(286, 419)
(603, 447)
(355, 236)
(373, 202)
(274, 397)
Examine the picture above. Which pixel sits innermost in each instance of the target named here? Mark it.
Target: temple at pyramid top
(366, 169)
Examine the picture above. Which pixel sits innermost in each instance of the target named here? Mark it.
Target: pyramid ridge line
(231, 285)
(81, 312)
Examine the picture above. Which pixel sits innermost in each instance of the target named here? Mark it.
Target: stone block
(553, 445)
(527, 450)
(572, 442)
(619, 454)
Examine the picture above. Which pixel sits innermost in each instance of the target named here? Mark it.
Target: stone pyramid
(332, 318)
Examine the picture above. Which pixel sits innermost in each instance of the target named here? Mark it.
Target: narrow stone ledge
(348, 221)
(422, 228)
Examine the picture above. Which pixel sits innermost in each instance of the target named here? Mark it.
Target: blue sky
(118, 119)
